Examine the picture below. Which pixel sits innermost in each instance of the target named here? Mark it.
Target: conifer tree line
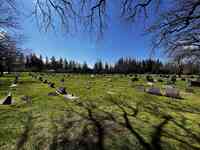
(36, 63)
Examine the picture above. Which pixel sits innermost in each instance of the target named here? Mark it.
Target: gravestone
(172, 92)
(8, 100)
(195, 83)
(154, 91)
(61, 90)
(52, 85)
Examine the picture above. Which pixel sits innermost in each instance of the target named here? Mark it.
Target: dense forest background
(32, 62)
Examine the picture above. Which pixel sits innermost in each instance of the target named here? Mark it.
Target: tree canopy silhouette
(176, 28)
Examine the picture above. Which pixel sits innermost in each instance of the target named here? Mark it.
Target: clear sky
(120, 40)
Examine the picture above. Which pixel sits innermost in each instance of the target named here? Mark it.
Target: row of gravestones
(169, 91)
(60, 90)
(171, 80)
(149, 78)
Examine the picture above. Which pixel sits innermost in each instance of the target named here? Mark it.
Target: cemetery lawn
(111, 113)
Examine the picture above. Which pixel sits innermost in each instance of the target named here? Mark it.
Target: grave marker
(52, 85)
(195, 83)
(61, 90)
(154, 91)
(8, 100)
(172, 92)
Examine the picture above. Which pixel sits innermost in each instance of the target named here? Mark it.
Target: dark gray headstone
(52, 85)
(62, 90)
(8, 100)
(154, 91)
(195, 83)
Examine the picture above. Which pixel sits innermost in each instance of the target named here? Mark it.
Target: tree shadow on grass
(25, 134)
(89, 127)
(89, 131)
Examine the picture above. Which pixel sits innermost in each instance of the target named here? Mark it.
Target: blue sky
(120, 40)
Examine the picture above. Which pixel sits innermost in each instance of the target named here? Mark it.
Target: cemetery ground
(111, 112)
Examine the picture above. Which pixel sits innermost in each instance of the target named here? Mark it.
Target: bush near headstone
(40, 78)
(183, 79)
(173, 79)
(45, 81)
(149, 78)
(160, 80)
(192, 77)
(134, 79)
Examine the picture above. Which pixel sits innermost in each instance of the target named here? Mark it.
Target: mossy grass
(111, 114)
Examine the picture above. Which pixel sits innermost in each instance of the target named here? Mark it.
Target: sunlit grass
(48, 122)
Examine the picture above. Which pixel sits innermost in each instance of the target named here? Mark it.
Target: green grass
(110, 114)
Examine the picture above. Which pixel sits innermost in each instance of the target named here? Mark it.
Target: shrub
(173, 79)
(149, 78)
(134, 79)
